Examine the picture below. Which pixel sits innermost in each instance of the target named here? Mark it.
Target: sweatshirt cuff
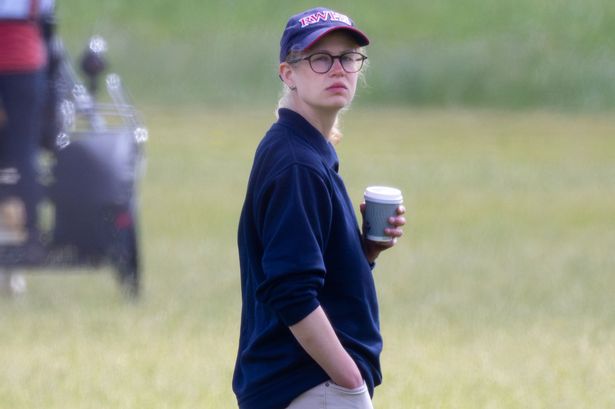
(292, 314)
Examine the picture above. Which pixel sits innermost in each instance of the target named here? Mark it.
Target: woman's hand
(373, 249)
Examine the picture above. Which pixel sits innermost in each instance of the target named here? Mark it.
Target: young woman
(310, 335)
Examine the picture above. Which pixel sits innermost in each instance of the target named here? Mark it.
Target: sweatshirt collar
(310, 134)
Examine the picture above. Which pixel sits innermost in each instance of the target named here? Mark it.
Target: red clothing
(21, 47)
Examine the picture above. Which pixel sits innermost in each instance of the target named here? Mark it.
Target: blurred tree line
(487, 53)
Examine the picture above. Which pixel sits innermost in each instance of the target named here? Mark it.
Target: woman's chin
(337, 103)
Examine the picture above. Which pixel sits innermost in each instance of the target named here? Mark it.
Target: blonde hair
(335, 136)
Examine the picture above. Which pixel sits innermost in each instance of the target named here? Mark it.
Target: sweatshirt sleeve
(294, 219)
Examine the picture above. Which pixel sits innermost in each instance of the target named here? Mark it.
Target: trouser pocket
(338, 397)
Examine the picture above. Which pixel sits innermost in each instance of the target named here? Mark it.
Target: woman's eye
(320, 58)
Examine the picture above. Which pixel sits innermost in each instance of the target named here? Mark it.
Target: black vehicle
(92, 162)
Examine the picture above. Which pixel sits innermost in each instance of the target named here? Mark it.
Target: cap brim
(314, 37)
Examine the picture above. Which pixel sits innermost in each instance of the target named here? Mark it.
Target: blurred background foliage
(556, 54)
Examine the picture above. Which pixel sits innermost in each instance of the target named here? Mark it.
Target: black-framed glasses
(321, 62)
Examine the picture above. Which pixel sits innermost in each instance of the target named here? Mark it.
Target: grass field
(499, 296)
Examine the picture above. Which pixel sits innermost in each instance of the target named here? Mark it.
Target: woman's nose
(337, 66)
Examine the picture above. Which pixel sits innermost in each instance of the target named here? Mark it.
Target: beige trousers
(328, 395)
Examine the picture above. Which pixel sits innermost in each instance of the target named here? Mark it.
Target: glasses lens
(352, 62)
(320, 62)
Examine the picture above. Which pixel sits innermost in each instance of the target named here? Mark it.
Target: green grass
(499, 295)
(486, 53)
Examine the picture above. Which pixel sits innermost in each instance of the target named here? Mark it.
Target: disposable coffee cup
(381, 202)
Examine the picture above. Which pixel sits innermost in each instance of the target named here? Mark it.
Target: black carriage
(90, 171)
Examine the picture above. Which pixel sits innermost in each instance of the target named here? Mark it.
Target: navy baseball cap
(305, 29)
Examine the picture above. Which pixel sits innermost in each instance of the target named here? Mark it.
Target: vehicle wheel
(125, 255)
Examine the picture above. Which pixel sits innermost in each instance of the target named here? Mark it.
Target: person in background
(23, 58)
(310, 333)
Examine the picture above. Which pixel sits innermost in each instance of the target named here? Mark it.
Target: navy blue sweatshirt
(299, 247)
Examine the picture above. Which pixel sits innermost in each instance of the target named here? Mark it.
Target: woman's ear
(286, 75)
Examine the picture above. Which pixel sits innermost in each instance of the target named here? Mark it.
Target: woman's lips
(337, 87)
